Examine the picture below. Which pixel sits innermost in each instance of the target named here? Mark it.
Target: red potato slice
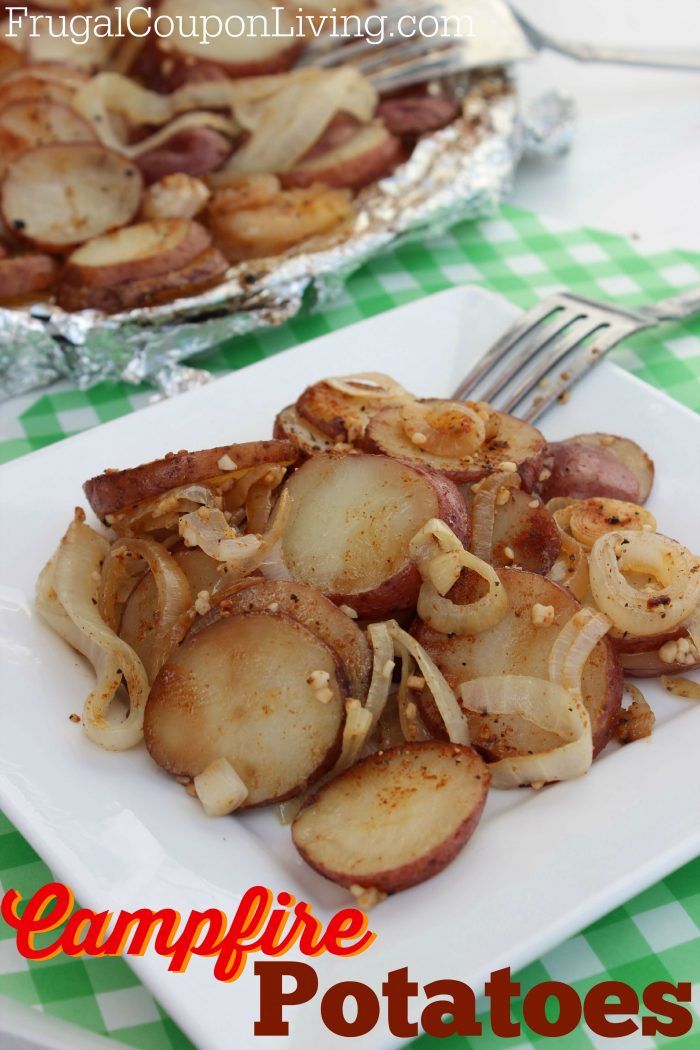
(58, 195)
(194, 277)
(309, 440)
(196, 151)
(246, 55)
(147, 249)
(11, 59)
(370, 154)
(395, 819)
(313, 610)
(342, 416)
(627, 643)
(517, 646)
(202, 572)
(579, 471)
(26, 274)
(239, 690)
(526, 529)
(628, 452)
(512, 442)
(417, 114)
(26, 86)
(37, 122)
(351, 521)
(118, 490)
(650, 665)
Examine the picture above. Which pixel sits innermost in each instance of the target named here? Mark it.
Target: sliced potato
(117, 490)
(177, 196)
(418, 114)
(510, 440)
(396, 818)
(648, 664)
(59, 195)
(200, 273)
(351, 521)
(292, 217)
(630, 454)
(343, 416)
(27, 123)
(368, 155)
(517, 646)
(637, 643)
(315, 611)
(27, 84)
(240, 690)
(291, 425)
(26, 274)
(147, 249)
(524, 529)
(580, 470)
(195, 152)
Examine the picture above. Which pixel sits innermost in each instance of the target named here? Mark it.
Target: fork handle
(655, 58)
(678, 307)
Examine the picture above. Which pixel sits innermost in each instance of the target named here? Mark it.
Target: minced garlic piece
(273, 607)
(415, 681)
(202, 604)
(502, 497)
(534, 504)
(419, 439)
(318, 679)
(542, 615)
(324, 696)
(508, 465)
(680, 651)
(544, 475)
(226, 463)
(367, 896)
(388, 669)
(349, 611)
(509, 553)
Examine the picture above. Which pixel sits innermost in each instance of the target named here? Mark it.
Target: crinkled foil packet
(457, 173)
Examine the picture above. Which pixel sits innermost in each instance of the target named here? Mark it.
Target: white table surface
(634, 169)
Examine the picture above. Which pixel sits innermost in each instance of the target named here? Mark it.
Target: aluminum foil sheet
(460, 172)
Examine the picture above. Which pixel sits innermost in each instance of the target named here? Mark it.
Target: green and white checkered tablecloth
(654, 937)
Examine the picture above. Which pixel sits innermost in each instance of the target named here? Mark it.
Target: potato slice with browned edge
(241, 690)
(315, 611)
(630, 455)
(579, 471)
(26, 274)
(146, 249)
(510, 440)
(369, 154)
(395, 819)
(117, 490)
(62, 194)
(27, 123)
(351, 520)
(343, 416)
(519, 646)
(194, 277)
(648, 664)
(289, 423)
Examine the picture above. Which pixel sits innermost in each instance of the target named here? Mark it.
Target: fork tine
(539, 400)
(545, 362)
(398, 55)
(507, 341)
(527, 351)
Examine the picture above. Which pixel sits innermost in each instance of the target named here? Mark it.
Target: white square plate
(541, 865)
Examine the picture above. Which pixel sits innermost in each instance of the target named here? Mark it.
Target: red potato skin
(305, 450)
(353, 173)
(649, 665)
(118, 490)
(413, 115)
(645, 482)
(196, 151)
(421, 870)
(644, 643)
(581, 471)
(26, 274)
(400, 591)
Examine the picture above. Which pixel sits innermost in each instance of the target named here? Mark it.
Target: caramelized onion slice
(484, 510)
(67, 594)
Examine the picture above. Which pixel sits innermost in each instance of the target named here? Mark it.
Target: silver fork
(499, 34)
(551, 346)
